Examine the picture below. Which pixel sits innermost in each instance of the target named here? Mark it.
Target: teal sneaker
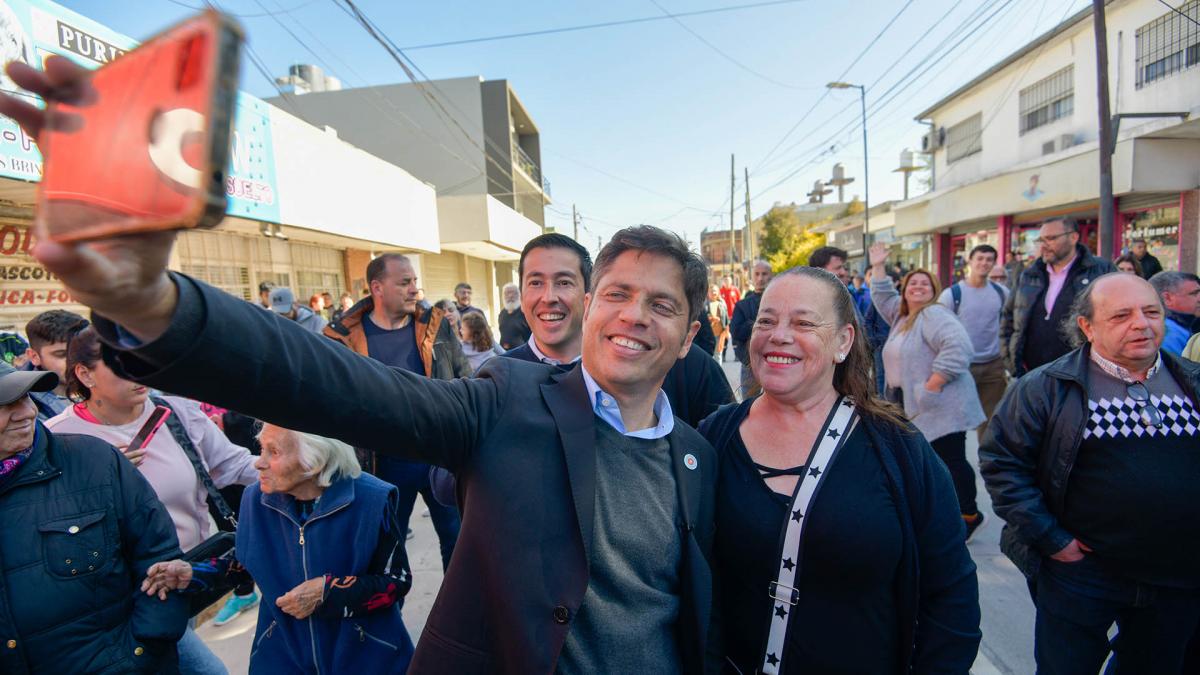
(235, 605)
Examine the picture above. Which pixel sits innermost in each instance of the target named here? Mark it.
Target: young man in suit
(555, 272)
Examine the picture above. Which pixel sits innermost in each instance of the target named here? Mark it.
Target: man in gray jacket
(283, 302)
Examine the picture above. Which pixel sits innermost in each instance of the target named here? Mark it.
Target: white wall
(398, 124)
(998, 98)
(334, 187)
(482, 218)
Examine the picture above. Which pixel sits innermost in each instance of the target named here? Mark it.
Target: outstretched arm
(220, 349)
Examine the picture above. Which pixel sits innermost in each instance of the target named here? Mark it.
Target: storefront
(305, 209)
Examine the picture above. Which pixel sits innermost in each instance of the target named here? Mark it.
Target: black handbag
(219, 545)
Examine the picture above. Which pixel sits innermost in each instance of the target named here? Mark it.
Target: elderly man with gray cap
(1091, 460)
(82, 527)
(283, 302)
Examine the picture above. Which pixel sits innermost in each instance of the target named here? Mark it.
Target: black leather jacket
(1030, 447)
(1024, 298)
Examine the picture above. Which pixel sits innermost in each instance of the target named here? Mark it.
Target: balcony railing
(527, 164)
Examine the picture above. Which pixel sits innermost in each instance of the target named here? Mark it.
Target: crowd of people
(603, 501)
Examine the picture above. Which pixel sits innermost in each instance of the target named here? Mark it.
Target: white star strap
(783, 590)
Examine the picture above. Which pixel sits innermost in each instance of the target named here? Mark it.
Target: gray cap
(281, 300)
(17, 383)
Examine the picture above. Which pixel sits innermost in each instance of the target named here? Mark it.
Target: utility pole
(1107, 205)
(747, 239)
(732, 201)
(575, 221)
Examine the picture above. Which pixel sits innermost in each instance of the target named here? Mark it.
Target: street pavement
(1007, 646)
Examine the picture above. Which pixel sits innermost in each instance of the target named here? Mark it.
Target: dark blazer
(520, 437)
(695, 385)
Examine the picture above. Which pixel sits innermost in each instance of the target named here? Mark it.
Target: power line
(407, 65)
(726, 56)
(630, 183)
(883, 102)
(895, 62)
(603, 24)
(1180, 13)
(398, 114)
(825, 93)
(246, 16)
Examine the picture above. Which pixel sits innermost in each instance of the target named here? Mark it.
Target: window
(1048, 100)
(965, 138)
(1168, 44)
(318, 270)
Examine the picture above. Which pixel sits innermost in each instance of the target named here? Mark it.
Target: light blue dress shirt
(605, 406)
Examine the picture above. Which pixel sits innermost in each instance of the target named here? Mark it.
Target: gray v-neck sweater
(626, 623)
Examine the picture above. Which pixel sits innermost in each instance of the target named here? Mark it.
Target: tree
(785, 242)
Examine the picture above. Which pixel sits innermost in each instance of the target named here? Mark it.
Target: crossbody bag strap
(783, 591)
(175, 426)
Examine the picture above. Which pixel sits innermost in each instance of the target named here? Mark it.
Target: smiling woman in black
(877, 545)
(849, 562)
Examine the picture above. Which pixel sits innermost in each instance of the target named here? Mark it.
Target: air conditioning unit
(1065, 141)
(1049, 147)
(934, 140)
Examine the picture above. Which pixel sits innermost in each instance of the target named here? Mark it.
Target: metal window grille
(1168, 44)
(218, 259)
(318, 270)
(1048, 99)
(965, 138)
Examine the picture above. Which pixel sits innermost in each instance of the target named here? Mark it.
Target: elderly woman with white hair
(320, 538)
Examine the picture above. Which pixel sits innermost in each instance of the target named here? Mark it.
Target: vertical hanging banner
(33, 30)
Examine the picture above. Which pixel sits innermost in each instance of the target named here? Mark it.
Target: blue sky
(638, 121)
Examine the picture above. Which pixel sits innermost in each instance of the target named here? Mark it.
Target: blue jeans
(195, 658)
(412, 478)
(1076, 604)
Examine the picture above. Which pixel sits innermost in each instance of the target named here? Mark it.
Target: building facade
(1018, 144)
(305, 209)
(475, 143)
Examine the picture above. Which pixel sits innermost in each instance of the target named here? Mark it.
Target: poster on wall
(33, 30)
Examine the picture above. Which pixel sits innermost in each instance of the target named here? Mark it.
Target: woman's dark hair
(481, 334)
(855, 376)
(1129, 258)
(83, 349)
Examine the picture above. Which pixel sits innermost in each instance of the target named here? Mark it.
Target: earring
(840, 357)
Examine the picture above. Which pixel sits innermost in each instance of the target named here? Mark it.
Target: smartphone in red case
(147, 146)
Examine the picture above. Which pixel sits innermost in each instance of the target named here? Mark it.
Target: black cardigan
(937, 594)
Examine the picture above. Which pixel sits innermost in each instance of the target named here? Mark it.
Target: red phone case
(148, 151)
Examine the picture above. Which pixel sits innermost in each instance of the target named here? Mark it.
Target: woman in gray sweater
(927, 360)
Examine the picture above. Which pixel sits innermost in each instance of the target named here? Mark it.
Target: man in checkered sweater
(1093, 461)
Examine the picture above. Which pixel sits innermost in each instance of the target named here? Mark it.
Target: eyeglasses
(1049, 238)
(1147, 411)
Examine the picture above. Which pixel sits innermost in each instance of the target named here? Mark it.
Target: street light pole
(862, 92)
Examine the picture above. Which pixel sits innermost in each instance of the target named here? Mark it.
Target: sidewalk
(231, 642)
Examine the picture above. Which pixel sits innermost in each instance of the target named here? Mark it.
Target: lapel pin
(689, 460)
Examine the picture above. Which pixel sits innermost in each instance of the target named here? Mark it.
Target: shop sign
(885, 236)
(33, 30)
(26, 288)
(849, 239)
